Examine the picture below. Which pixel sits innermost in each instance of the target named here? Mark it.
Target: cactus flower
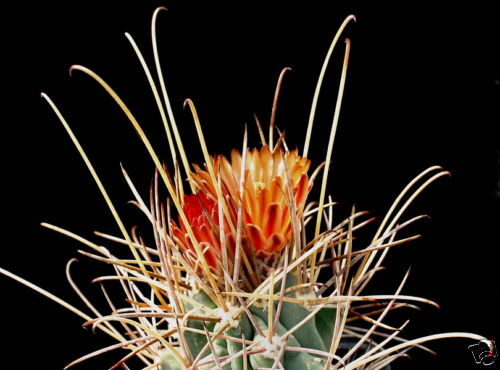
(266, 215)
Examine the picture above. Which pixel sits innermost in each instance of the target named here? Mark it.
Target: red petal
(272, 219)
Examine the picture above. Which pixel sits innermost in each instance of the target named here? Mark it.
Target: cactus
(237, 279)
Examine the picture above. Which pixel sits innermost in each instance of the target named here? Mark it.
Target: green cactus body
(169, 362)
(196, 341)
(316, 333)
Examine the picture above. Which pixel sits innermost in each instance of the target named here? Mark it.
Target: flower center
(259, 185)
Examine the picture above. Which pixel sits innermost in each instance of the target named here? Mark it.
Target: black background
(423, 88)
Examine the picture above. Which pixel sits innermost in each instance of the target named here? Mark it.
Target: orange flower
(201, 213)
(266, 217)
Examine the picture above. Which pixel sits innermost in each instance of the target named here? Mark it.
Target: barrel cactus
(247, 271)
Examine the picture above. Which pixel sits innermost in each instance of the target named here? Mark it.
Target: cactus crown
(237, 279)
